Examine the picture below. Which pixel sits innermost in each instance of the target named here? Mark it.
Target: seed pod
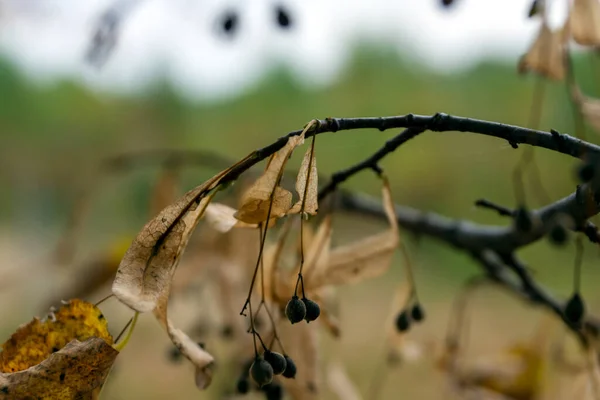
(276, 360)
(559, 234)
(575, 309)
(261, 371)
(417, 313)
(283, 17)
(290, 367)
(523, 220)
(402, 321)
(586, 172)
(312, 309)
(243, 385)
(295, 310)
(273, 391)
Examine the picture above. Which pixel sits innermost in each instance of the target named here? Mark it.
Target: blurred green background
(54, 136)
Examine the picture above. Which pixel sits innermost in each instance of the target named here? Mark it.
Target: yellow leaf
(546, 56)
(265, 193)
(34, 342)
(584, 21)
(307, 185)
(75, 372)
(148, 266)
(366, 258)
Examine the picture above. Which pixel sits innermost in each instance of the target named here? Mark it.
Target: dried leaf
(367, 258)
(201, 359)
(75, 371)
(516, 373)
(34, 342)
(317, 254)
(546, 56)
(340, 383)
(148, 266)
(307, 185)
(221, 217)
(584, 22)
(256, 201)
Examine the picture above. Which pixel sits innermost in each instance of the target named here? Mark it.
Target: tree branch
(473, 238)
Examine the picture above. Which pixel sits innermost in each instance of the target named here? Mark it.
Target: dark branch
(501, 210)
(475, 239)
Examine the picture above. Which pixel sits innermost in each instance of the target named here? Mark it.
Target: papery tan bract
(221, 217)
(265, 194)
(307, 185)
(317, 253)
(149, 264)
(584, 22)
(364, 259)
(201, 359)
(546, 56)
(75, 372)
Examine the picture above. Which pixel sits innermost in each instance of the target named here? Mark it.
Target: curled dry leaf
(584, 22)
(317, 254)
(364, 259)
(340, 383)
(201, 359)
(77, 371)
(266, 194)
(546, 56)
(221, 217)
(148, 266)
(307, 185)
